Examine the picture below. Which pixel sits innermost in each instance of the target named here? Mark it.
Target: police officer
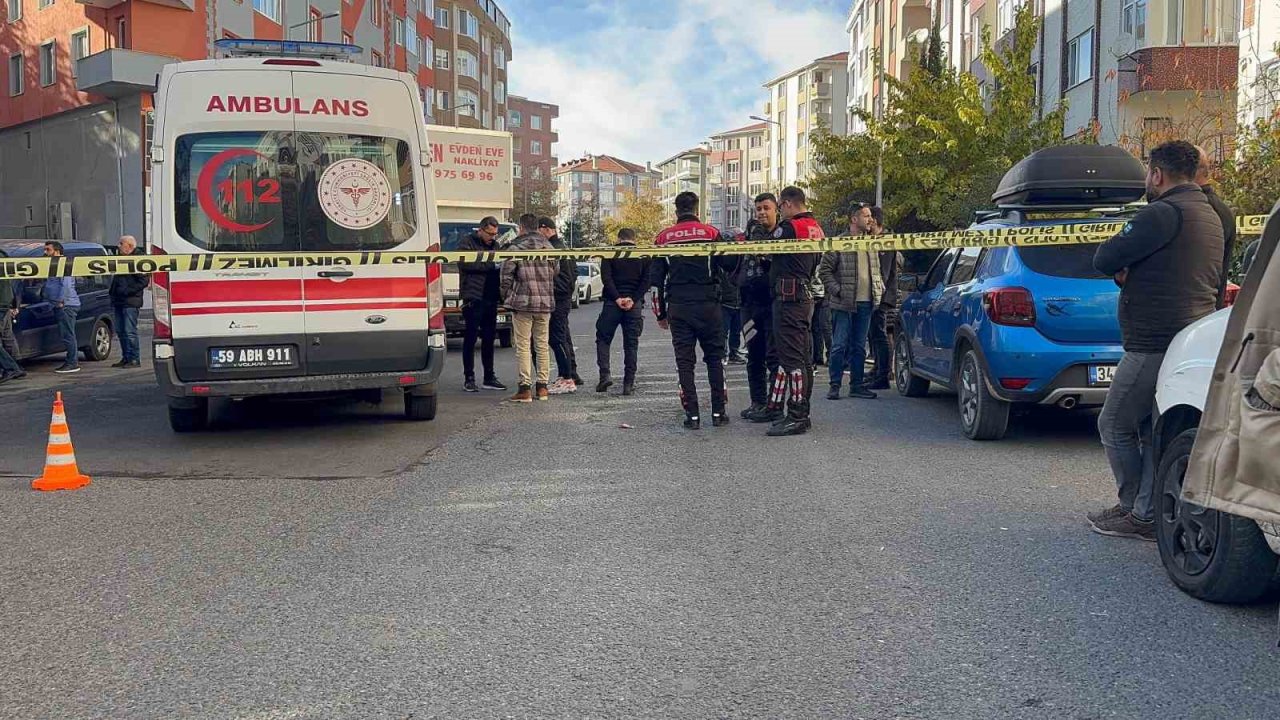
(688, 304)
(752, 275)
(790, 278)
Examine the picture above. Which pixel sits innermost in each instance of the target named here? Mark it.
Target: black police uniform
(688, 297)
(752, 275)
(790, 276)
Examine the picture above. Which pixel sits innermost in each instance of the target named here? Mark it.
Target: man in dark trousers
(478, 288)
(10, 297)
(688, 304)
(625, 282)
(126, 299)
(561, 340)
(731, 308)
(752, 274)
(1204, 176)
(878, 336)
(1167, 261)
(790, 278)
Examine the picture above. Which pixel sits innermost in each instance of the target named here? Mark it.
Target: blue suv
(1022, 325)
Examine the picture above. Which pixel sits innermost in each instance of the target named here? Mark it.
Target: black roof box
(1073, 175)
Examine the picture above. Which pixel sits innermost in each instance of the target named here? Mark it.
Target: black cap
(546, 222)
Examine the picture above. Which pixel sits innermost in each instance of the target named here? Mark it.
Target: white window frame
(398, 32)
(517, 171)
(517, 119)
(42, 4)
(18, 81)
(442, 59)
(499, 57)
(1075, 57)
(1133, 18)
(467, 64)
(11, 5)
(52, 68)
(442, 18)
(269, 9)
(72, 43)
(499, 92)
(1006, 10)
(535, 147)
(442, 100)
(535, 122)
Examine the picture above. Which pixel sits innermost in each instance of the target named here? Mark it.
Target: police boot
(747, 412)
(790, 425)
(692, 421)
(692, 418)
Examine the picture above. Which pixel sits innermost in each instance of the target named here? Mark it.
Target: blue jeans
(67, 331)
(127, 330)
(849, 344)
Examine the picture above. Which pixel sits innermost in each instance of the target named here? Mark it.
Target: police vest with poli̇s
(289, 147)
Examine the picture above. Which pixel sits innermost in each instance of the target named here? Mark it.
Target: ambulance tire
(419, 407)
(184, 419)
(504, 338)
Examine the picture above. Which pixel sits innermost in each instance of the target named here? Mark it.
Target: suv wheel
(1210, 555)
(99, 347)
(982, 415)
(419, 407)
(908, 385)
(183, 419)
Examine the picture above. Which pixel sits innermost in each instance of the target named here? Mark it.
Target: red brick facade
(526, 138)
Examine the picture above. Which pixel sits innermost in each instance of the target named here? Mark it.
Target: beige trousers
(532, 331)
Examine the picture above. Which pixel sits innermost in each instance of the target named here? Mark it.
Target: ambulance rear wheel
(187, 419)
(420, 407)
(504, 338)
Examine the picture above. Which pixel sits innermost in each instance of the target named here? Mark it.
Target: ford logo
(375, 319)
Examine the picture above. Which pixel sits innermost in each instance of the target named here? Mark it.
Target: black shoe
(628, 388)
(834, 393)
(737, 360)
(862, 393)
(470, 385)
(766, 415)
(578, 380)
(692, 422)
(747, 412)
(68, 369)
(133, 364)
(493, 384)
(16, 375)
(719, 419)
(879, 385)
(122, 363)
(605, 383)
(790, 426)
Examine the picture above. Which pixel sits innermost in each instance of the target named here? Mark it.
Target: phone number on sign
(463, 174)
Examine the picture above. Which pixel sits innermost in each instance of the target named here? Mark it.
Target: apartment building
(79, 77)
(799, 104)
(735, 175)
(888, 35)
(472, 45)
(604, 179)
(1259, 85)
(685, 171)
(532, 135)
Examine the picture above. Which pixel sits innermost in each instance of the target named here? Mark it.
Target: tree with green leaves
(643, 213)
(584, 227)
(946, 140)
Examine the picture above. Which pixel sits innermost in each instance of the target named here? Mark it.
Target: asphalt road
(306, 560)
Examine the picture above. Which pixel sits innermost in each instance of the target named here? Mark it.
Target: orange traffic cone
(60, 471)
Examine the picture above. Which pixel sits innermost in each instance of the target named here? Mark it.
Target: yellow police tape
(95, 266)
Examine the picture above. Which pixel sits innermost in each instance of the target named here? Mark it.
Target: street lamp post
(456, 108)
(780, 138)
(311, 21)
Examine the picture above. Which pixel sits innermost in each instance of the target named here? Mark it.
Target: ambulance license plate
(1101, 374)
(242, 358)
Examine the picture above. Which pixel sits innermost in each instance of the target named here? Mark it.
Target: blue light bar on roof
(240, 47)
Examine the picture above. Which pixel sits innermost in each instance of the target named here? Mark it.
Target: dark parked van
(36, 327)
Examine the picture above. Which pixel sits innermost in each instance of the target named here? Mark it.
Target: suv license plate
(264, 356)
(1101, 374)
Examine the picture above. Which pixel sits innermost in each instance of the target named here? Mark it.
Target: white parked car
(1211, 555)
(590, 284)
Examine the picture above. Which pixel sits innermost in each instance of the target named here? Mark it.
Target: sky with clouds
(645, 79)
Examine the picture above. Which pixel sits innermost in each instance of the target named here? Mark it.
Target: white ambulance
(286, 147)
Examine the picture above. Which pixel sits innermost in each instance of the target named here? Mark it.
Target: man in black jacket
(790, 280)
(561, 341)
(9, 297)
(126, 299)
(478, 288)
(752, 274)
(1203, 179)
(1168, 263)
(625, 282)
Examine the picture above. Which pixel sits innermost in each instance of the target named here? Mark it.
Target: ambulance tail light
(161, 302)
(435, 298)
(304, 63)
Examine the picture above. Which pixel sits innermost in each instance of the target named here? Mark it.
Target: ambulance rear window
(289, 191)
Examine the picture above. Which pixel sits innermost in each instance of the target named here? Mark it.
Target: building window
(268, 8)
(467, 64)
(535, 147)
(443, 100)
(1133, 18)
(756, 141)
(442, 59)
(48, 63)
(442, 18)
(468, 103)
(484, 118)
(499, 57)
(375, 12)
(517, 171)
(15, 10)
(315, 33)
(42, 4)
(411, 34)
(1005, 10)
(347, 39)
(1080, 58)
(535, 122)
(468, 25)
(733, 171)
(16, 80)
(1177, 20)
(516, 119)
(499, 92)
(500, 123)
(398, 32)
(375, 58)
(122, 33)
(757, 165)
(79, 48)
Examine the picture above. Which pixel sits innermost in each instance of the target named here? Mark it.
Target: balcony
(819, 91)
(1208, 69)
(119, 73)
(107, 4)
